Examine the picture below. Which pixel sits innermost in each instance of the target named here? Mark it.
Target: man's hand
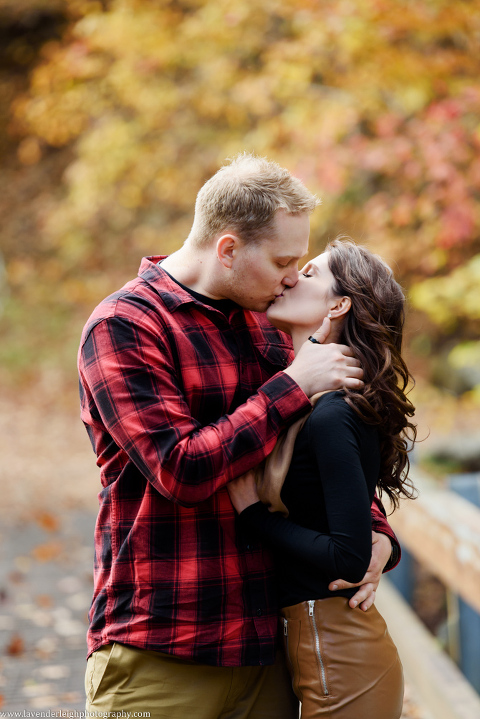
(243, 491)
(325, 366)
(365, 597)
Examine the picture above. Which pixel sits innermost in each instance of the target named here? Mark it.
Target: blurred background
(112, 115)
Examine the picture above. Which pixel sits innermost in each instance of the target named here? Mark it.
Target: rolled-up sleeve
(133, 392)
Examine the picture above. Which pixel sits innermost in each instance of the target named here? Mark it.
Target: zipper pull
(285, 627)
(311, 607)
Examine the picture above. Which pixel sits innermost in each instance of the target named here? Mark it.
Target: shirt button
(259, 612)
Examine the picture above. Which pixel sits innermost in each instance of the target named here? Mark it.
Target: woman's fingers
(365, 597)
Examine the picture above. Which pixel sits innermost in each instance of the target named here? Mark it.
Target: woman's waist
(334, 614)
(293, 589)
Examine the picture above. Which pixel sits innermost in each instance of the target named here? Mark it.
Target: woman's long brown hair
(374, 329)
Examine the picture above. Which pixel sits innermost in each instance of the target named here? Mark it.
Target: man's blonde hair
(243, 196)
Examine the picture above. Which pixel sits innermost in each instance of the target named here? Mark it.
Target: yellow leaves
(452, 299)
(464, 355)
(20, 271)
(374, 104)
(29, 151)
(58, 115)
(114, 141)
(412, 98)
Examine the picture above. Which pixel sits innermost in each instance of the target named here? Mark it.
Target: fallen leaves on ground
(16, 645)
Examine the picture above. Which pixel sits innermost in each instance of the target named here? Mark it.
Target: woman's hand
(243, 491)
(365, 597)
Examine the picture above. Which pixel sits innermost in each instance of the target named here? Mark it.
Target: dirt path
(49, 484)
(47, 462)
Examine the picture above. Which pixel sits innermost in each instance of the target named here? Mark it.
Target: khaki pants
(124, 679)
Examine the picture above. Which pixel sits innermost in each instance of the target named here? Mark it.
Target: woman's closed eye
(305, 274)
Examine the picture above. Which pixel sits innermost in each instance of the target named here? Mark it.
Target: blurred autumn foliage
(128, 106)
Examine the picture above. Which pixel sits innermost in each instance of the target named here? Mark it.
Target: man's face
(261, 271)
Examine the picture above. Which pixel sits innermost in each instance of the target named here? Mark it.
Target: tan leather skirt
(343, 662)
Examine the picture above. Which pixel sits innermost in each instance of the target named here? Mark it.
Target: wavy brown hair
(373, 329)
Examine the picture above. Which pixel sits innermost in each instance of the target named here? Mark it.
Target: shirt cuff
(394, 558)
(253, 511)
(288, 401)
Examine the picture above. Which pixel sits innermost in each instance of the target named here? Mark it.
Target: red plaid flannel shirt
(177, 400)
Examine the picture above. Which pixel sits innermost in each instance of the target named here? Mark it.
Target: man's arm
(132, 391)
(343, 546)
(380, 525)
(324, 365)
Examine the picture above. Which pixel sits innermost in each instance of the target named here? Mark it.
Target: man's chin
(258, 307)
(277, 322)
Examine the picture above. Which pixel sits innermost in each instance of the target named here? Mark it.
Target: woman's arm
(344, 551)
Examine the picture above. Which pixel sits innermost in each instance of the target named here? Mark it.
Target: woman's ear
(340, 308)
(227, 246)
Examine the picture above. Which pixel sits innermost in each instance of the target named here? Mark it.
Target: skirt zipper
(311, 607)
(287, 655)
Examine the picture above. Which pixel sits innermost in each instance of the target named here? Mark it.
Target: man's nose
(290, 279)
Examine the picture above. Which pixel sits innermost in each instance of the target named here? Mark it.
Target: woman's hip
(343, 661)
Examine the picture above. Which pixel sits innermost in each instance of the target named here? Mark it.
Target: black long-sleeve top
(328, 490)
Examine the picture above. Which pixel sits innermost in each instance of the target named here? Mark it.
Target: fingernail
(355, 603)
(335, 586)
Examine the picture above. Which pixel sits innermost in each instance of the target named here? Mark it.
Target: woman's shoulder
(329, 402)
(332, 411)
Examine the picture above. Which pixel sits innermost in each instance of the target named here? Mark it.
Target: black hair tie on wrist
(315, 342)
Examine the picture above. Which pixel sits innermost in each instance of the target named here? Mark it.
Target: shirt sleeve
(380, 524)
(131, 389)
(344, 551)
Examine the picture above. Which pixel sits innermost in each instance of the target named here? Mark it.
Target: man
(185, 387)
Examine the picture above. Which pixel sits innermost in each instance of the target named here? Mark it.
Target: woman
(343, 661)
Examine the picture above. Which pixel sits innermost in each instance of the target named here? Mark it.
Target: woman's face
(307, 303)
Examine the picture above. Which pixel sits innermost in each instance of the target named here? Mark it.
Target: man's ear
(227, 248)
(340, 308)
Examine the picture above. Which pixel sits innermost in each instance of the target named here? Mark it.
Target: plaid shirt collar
(172, 294)
(268, 340)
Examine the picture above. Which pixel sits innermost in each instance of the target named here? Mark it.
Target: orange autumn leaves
(376, 105)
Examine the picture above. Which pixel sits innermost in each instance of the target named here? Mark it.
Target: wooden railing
(442, 531)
